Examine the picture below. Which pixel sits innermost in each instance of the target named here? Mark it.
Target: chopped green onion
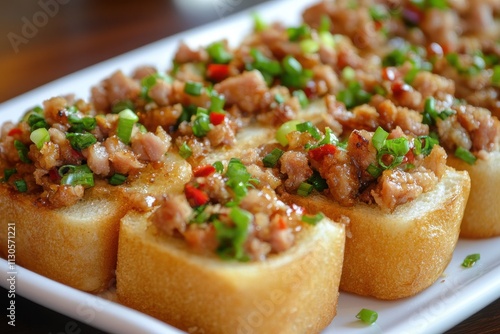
(430, 114)
(317, 182)
(219, 166)
(374, 171)
(7, 173)
(187, 113)
(367, 316)
(76, 175)
(201, 124)
(37, 121)
(200, 216)
(271, 159)
(327, 39)
(81, 124)
(313, 220)
(117, 179)
(126, 121)
(217, 51)
(21, 185)
(284, 130)
(354, 95)
(309, 127)
(122, 105)
(238, 178)
(296, 33)
(325, 23)
(232, 239)
(378, 12)
(348, 74)
(428, 142)
(39, 137)
(309, 46)
(80, 141)
(193, 88)
(379, 137)
(470, 260)
(465, 155)
(305, 189)
(495, 78)
(329, 138)
(185, 151)
(291, 65)
(258, 22)
(217, 102)
(302, 97)
(22, 151)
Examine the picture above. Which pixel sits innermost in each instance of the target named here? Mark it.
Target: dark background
(80, 33)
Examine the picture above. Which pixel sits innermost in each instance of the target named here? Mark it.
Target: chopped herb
(22, 151)
(367, 316)
(193, 88)
(217, 51)
(21, 185)
(325, 23)
(76, 175)
(495, 77)
(301, 96)
(80, 141)
(309, 46)
(185, 151)
(238, 179)
(465, 155)
(271, 159)
(37, 121)
(354, 95)
(309, 127)
(284, 130)
(279, 98)
(126, 121)
(39, 137)
(305, 189)
(297, 33)
(117, 179)
(232, 238)
(201, 124)
(470, 260)
(148, 82)
(313, 220)
(81, 124)
(317, 182)
(219, 166)
(258, 22)
(431, 114)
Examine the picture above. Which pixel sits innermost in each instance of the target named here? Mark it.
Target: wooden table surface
(46, 39)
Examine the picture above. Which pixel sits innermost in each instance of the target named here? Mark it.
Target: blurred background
(42, 40)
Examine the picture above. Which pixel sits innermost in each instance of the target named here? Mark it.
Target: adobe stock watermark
(11, 273)
(225, 7)
(31, 26)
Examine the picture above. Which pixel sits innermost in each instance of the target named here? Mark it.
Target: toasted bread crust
(481, 218)
(75, 245)
(294, 292)
(396, 255)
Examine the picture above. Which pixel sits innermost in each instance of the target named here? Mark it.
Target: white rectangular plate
(457, 295)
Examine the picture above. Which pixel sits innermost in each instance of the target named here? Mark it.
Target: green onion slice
(271, 159)
(117, 179)
(73, 175)
(185, 151)
(302, 97)
(219, 166)
(39, 137)
(309, 127)
(193, 88)
(21, 185)
(367, 316)
(126, 121)
(465, 155)
(305, 189)
(22, 151)
(313, 220)
(284, 130)
(232, 238)
(217, 51)
(470, 260)
(80, 141)
(7, 173)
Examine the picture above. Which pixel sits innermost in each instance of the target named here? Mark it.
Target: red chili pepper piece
(319, 153)
(282, 225)
(390, 73)
(195, 196)
(217, 72)
(217, 118)
(14, 131)
(54, 175)
(409, 157)
(204, 170)
(399, 87)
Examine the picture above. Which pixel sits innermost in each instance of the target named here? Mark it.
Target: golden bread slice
(398, 254)
(481, 217)
(77, 245)
(74, 245)
(293, 292)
